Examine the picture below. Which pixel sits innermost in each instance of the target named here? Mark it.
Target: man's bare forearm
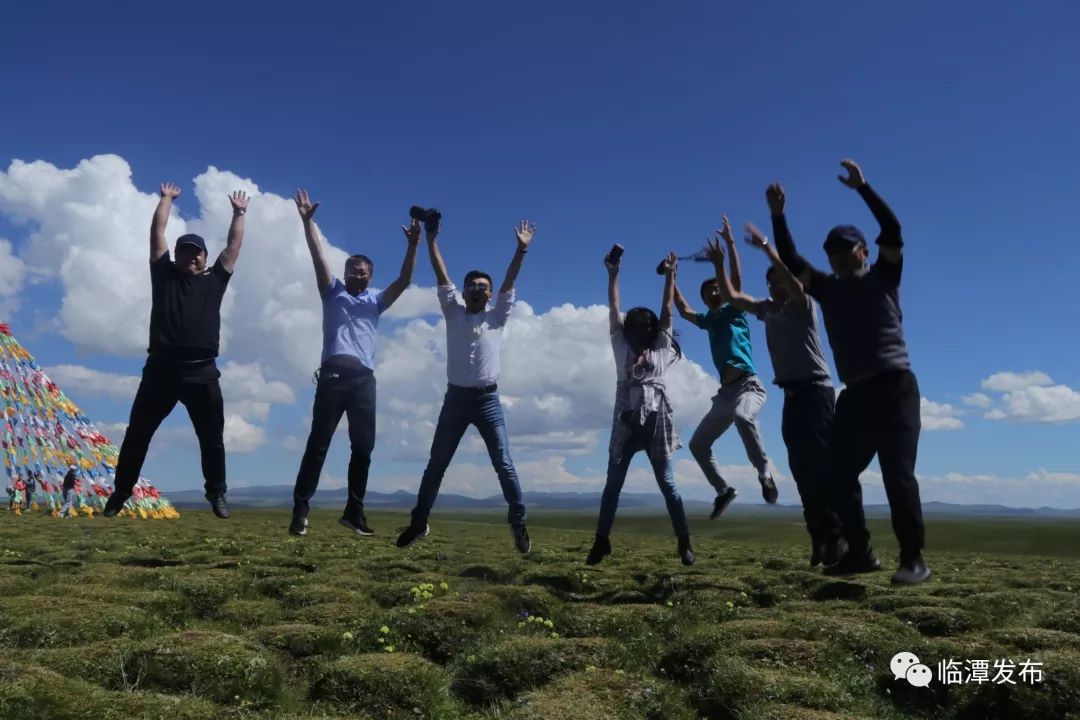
(442, 277)
(158, 246)
(323, 275)
(736, 266)
(512, 271)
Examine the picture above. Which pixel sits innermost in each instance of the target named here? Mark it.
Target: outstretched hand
(304, 206)
(170, 190)
(670, 264)
(412, 232)
(714, 251)
(774, 196)
(725, 231)
(612, 265)
(239, 200)
(524, 233)
(854, 179)
(756, 238)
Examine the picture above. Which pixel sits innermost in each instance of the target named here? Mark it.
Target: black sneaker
(852, 563)
(360, 527)
(114, 505)
(218, 505)
(686, 552)
(912, 572)
(601, 547)
(768, 489)
(299, 525)
(722, 501)
(409, 535)
(521, 538)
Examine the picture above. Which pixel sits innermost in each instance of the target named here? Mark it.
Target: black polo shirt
(185, 315)
(863, 317)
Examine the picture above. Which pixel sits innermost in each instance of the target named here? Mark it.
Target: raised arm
(408, 265)
(715, 252)
(228, 257)
(306, 208)
(732, 253)
(614, 314)
(671, 264)
(524, 234)
(890, 242)
(756, 238)
(442, 277)
(785, 244)
(683, 306)
(158, 247)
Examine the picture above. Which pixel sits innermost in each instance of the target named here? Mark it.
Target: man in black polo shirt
(185, 324)
(878, 410)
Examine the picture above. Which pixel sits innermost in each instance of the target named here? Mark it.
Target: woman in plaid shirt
(642, 420)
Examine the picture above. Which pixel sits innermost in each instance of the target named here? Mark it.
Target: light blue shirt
(351, 324)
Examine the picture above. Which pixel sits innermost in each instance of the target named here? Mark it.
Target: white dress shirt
(473, 339)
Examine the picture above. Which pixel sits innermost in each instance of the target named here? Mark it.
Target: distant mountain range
(280, 496)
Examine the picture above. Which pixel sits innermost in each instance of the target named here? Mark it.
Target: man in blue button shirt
(346, 381)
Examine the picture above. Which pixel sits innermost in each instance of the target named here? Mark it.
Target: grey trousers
(737, 403)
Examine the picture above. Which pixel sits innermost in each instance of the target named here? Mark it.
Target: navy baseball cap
(843, 238)
(191, 239)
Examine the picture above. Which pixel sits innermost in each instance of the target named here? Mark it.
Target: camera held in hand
(614, 254)
(429, 216)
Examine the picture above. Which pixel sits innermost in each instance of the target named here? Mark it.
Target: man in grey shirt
(791, 332)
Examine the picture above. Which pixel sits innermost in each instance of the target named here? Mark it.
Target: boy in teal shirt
(741, 395)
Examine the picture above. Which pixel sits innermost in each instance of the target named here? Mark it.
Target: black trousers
(339, 393)
(879, 416)
(808, 416)
(162, 386)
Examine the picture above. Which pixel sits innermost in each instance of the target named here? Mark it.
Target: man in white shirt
(473, 337)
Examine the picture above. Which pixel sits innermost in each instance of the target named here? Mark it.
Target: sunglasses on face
(477, 286)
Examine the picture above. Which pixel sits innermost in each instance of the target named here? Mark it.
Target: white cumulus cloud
(939, 416)
(1029, 397)
(1011, 381)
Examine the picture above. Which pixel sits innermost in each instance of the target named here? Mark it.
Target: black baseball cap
(843, 238)
(191, 239)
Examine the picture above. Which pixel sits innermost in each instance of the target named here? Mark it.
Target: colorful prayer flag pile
(43, 433)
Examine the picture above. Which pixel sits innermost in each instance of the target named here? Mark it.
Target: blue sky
(601, 122)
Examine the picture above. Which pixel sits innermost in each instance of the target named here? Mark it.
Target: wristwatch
(241, 211)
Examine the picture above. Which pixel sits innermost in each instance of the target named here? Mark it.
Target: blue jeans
(463, 407)
(337, 394)
(641, 439)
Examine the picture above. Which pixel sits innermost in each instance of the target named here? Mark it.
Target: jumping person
(791, 332)
(473, 339)
(877, 412)
(643, 418)
(346, 379)
(185, 326)
(741, 395)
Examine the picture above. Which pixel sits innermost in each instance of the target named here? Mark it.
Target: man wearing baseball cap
(878, 410)
(185, 326)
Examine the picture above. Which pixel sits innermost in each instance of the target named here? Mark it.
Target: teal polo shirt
(729, 338)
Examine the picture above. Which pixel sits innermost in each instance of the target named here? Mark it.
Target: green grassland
(202, 619)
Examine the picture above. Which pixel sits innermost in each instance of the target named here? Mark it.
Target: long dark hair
(647, 317)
